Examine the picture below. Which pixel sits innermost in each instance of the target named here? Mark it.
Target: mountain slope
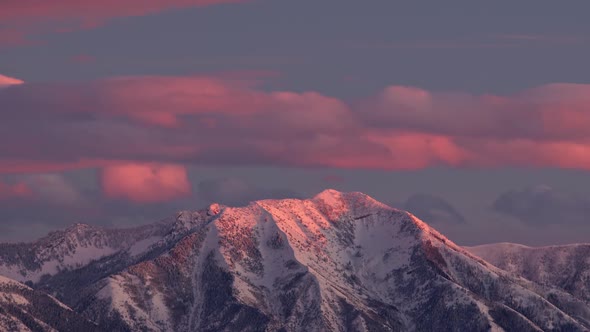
(24, 309)
(566, 267)
(71, 249)
(336, 262)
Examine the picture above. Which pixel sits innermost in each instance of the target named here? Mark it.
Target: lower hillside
(25, 309)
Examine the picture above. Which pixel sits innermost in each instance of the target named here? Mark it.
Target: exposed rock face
(337, 262)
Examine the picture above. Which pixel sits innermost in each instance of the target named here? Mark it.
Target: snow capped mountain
(73, 248)
(24, 309)
(566, 267)
(336, 262)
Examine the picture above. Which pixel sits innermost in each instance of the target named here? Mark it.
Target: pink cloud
(164, 101)
(549, 112)
(23, 17)
(145, 183)
(17, 190)
(6, 81)
(28, 166)
(225, 120)
(13, 37)
(91, 9)
(410, 150)
(44, 188)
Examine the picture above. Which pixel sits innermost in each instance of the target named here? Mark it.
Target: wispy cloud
(21, 18)
(543, 39)
(6, 81)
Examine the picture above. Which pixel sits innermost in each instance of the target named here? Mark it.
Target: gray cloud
(433, 209)
(57, 200)
(24, 220)
(544, 205)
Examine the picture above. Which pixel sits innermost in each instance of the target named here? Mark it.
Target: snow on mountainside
(76, 247)
(336, 262)
(24, 309)
(566, 267)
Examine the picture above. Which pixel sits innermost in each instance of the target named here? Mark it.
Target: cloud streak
(23, 17)
(228, 120)
(6, 81)
(496, 41)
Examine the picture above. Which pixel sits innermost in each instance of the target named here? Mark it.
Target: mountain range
(335, 262)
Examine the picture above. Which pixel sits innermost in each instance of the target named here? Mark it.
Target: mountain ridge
(566, 267)
(337, 261)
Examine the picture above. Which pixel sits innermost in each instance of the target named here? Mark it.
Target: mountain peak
(329, 193)
(335, 197)
(338, 261)
(214, 209)
(333, 194)
(80, 227)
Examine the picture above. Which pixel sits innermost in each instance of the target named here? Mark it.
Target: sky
(474, 116)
